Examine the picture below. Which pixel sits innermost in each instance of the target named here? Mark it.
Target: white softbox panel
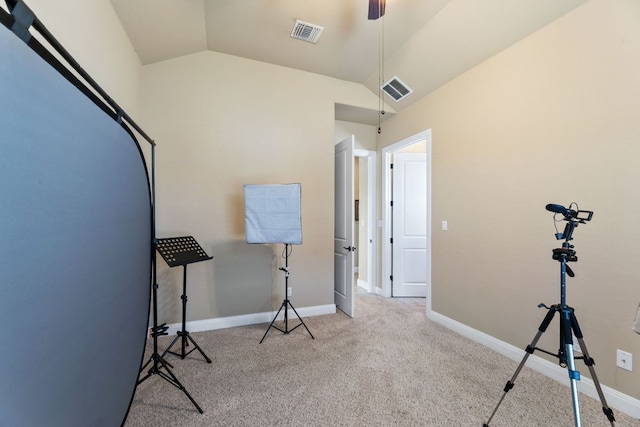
(272, 213)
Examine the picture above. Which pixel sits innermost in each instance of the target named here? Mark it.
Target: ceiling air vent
(396, 89)
(306, 32)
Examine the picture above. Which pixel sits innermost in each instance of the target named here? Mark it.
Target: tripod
(182, 251)
(157, 360)
(286, 303)
(568, 323)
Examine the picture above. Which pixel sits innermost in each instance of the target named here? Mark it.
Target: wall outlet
(624, 360)
(289, 291)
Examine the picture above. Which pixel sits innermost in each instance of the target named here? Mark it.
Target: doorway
(413, 260)
(348, 248)
(365, 219)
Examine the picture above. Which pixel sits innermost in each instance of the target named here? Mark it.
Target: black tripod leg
(145, 367)
(301, 321)
(174, 381)
(198, 348)
(149, 373)
(184, 343)
(590, 362)
(169, 377)
(158, 363)
(274, 319)
(178, 335)
(529, 351)
(156, 359)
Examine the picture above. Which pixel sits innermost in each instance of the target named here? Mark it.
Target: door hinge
(391, 166)
(391, 240)
(391, 278)
(391, 203)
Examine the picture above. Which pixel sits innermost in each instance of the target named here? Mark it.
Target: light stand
(286, 303)
(568, 322)
(156, 361)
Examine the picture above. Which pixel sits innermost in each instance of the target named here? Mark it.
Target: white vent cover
(306, 32)
(396, 89)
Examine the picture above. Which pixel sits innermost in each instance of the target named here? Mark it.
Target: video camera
(573, 216)
(570, 214)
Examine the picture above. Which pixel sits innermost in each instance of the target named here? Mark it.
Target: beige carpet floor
(389, 366)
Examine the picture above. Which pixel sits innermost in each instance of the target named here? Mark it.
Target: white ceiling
(426, 42)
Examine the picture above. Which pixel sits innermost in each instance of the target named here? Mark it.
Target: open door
(343, 248)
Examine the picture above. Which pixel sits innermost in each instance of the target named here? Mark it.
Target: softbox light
(75, 250)
(272, 213)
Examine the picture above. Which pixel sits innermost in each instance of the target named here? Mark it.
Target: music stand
(182, 251)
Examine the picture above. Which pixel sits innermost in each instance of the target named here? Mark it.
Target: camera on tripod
(569, 327)
(573, 218)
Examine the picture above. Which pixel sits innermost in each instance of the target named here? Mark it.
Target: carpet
(388, 366)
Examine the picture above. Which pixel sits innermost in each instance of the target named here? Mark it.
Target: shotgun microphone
(561, 210)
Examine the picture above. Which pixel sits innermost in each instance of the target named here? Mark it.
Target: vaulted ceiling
(425, 42)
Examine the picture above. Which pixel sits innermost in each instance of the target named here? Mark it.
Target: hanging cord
(380, 72)
(287, 252)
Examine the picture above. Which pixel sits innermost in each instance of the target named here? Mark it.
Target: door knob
(350, 248)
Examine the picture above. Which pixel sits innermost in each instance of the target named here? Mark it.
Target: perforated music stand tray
(182, 251)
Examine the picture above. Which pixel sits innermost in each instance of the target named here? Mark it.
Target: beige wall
(91, 32)
(221, 122)
(553, 119)
(93, 35)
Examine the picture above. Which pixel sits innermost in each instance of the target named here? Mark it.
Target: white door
(409, 225)
(343, 227)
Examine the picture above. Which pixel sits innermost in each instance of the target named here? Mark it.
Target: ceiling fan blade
(376, 8)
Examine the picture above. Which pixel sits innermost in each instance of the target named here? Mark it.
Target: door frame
(372, 210)
(386, 260)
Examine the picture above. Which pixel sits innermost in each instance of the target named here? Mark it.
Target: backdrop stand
(157, 360)
(286, 303)
(182, 251)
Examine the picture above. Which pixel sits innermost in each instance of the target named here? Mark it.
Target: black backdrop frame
(20, 19)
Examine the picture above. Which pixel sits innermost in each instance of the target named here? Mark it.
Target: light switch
(445, 226)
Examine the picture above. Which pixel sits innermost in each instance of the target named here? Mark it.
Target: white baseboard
(615, 399)
(362, 284)
(248, 319)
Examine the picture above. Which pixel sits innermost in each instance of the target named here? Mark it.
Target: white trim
(615, 399)
(386, 211)
(386, 222)
(364, 285)
(248, 319)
